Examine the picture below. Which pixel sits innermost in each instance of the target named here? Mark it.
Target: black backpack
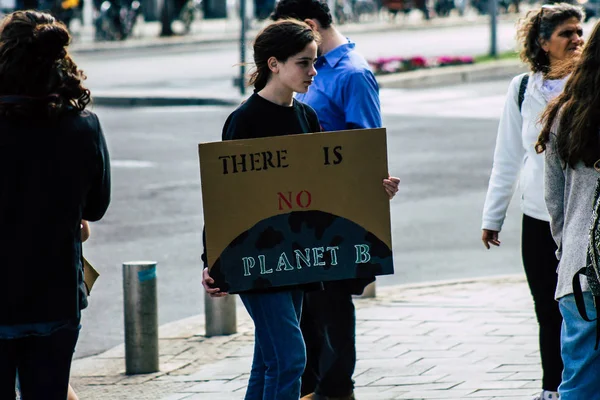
(522, 89)
(592, 268)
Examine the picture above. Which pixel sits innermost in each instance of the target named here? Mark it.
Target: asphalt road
(440, 144)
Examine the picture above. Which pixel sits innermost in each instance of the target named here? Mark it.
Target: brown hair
(539, 25)
(577, 109)
(37, 75)
(281, 39)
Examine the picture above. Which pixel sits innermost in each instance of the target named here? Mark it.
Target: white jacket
(515, 158)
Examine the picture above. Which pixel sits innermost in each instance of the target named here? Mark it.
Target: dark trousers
(43, 362)
(539, 259)
(329, 329)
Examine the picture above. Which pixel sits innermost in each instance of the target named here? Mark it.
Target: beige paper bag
(89, 275)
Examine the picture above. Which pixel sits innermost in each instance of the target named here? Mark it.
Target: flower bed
(390, 65)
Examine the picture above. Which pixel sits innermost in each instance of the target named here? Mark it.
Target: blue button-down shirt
(344, 94)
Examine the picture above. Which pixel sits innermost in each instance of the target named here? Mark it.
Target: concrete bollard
(220, 316)
(141, 317)
(369, 291)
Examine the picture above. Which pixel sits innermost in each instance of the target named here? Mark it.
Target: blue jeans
(279, 350)
(43, 362)
(582, 362)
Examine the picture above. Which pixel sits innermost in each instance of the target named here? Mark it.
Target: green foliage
(507, 55)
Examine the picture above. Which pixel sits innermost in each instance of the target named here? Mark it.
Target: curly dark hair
(577, 110)
(303, 9)
(539, 25)
(37, 76)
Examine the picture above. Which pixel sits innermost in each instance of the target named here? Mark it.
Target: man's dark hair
(303, 9)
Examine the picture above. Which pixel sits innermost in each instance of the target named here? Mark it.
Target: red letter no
(303, 200)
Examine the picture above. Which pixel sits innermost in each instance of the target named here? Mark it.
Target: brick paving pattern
(453, 340)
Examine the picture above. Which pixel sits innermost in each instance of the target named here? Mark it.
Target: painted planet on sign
(300, 247)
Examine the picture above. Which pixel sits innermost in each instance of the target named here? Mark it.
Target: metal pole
(243, 48)
(166, 18)
(220, 316)
(493, 27)
(141, 317)
(370, 291)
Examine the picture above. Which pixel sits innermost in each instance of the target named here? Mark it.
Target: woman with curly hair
(550, 37)
(54, 173)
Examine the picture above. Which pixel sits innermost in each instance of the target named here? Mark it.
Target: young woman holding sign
(284, 54)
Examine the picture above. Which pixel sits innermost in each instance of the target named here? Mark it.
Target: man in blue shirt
(345, 95)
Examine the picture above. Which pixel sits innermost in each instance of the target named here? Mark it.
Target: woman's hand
(207, 282)
(391, 186)
(85, 230)
(490, 237)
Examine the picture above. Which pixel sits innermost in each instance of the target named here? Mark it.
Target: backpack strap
(580, 303)
(578, 294)
(522, 89)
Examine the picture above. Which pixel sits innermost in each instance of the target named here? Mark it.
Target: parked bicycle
(116, 19)
(186, 11)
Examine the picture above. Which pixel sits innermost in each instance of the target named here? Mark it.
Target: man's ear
(312, 23)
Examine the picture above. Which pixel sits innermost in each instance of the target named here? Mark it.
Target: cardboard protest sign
(296, 209)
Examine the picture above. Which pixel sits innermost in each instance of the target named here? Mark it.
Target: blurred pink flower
(388, 65)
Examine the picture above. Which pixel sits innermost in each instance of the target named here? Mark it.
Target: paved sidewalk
(224, 94)
(449, 340)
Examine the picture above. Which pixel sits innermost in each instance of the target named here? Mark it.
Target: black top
(258, 118)
(53, 174)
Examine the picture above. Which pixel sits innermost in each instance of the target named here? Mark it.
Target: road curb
(106, 100)
(452, 282)
(443, 76)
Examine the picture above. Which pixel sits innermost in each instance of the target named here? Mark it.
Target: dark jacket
(53, 174)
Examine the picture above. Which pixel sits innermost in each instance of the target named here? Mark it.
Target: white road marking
(132, 164)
